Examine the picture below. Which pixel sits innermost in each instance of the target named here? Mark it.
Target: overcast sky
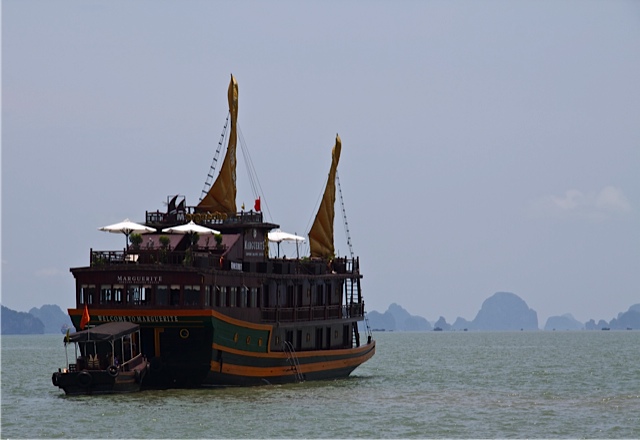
(487, 145)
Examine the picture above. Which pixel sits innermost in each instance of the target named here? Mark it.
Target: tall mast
(321, 233)
(222, 195)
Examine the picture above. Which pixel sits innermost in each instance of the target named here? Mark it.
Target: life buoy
(84, 379)
(112, 370)
(184, 333)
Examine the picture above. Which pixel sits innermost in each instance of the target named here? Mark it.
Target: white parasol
(190, 228)
(126, 227)
(279, 236)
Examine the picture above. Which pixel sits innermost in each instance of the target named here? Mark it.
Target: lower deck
(195, 347)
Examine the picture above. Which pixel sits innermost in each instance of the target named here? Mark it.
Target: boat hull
(98, 382)
(241, 369)
(204, 348)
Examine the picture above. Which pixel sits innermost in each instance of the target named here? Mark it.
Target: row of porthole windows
(247, 340)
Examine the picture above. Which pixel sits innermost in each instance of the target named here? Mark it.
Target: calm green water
(419, 385)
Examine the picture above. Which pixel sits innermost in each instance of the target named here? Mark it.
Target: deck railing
(193, 258)
(211, 258)
(311, 313)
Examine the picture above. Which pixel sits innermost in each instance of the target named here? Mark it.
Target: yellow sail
(222, 195)
(321, 233)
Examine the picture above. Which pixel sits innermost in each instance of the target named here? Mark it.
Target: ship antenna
(212, 169)
(344, 216)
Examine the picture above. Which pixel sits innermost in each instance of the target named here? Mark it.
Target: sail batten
(222, 194)
(321, 233)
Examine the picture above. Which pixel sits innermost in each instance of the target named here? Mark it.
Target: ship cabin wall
(303, 293)
(193, 290)
(315, 337)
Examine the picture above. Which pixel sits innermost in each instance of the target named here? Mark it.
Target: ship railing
(204, 218)
(310, 313)
(194, 258)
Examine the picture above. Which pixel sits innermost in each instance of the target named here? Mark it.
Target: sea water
(418, 385)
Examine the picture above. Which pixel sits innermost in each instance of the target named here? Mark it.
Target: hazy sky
(487, 145)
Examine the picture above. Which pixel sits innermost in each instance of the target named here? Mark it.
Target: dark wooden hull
(241, 369)
(204, 348)
(99, 381)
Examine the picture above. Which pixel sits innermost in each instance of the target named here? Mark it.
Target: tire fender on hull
(84, 379)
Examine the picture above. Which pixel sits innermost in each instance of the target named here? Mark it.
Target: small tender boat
(107, 360)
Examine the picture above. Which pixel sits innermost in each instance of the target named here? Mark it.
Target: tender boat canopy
(222, 195)
(321, 233)
(104, 332)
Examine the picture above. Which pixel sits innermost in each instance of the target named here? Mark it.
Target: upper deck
(241, 246)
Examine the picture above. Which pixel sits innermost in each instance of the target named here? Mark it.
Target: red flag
(256, 206)
(85, 318)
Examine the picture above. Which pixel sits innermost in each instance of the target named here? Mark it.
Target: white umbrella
(126, 227)
(278, 236)
(190, 228)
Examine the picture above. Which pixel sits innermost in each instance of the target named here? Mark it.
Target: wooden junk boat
(217, 310)
(107, 360)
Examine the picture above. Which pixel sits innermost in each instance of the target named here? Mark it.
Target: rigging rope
(256, 188)
(212, 169)
(344, 216)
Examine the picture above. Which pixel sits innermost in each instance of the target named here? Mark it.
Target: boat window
(174, 299)
(222, 296)
(145, 294)
(242, 299)
(106, 295)
(319, 299)
(289, 298)
(299, 290)
(253, 297)
(118, 290)
(207, 292)
(137, 294)
(86, 293)
(232, 296)
(162, 295)
(192, 295)
(133, 294)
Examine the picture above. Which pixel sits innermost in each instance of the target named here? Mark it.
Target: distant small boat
(606, 328)
(437, 329)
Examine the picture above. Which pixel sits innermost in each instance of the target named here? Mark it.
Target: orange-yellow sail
(222, 195)
(321, 233)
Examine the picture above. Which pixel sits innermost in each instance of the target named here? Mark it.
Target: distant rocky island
(47, 319)
(503, 311)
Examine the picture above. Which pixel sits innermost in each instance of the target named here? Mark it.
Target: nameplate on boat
(253, 248)
(136, 319)
(236, 266)
(139, 279)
